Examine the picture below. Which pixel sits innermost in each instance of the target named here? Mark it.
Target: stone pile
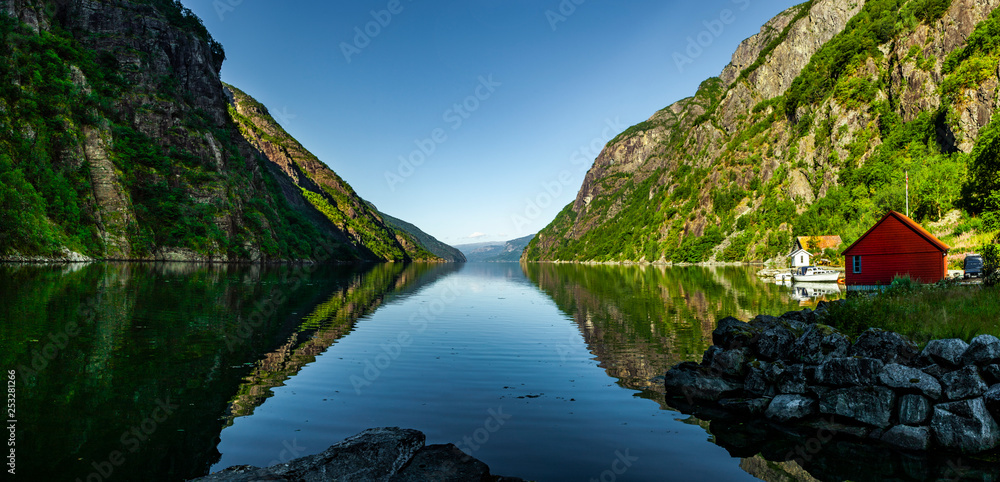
(795, 370)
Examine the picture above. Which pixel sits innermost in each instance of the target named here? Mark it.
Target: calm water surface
(174, 370)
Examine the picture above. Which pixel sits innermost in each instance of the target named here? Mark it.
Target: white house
(800, 258)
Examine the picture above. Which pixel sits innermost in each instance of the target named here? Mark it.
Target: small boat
(813, 273)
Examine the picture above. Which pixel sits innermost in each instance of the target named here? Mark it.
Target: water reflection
(641, 320)
(130, 370)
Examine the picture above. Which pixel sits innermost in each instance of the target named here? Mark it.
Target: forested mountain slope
(809, 131)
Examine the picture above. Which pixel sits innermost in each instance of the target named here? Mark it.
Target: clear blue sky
(551, 77)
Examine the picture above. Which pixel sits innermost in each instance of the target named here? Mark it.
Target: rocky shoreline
(378, 454)
(794, 371)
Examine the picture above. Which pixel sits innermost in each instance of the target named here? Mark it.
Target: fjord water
(164, 372)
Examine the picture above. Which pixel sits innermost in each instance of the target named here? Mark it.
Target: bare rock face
(748, 51)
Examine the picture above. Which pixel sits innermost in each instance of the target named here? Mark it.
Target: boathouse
(896, 246)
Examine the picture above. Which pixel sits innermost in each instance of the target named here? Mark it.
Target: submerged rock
(912, 438)
(946, 352)
(745, 406)
(965, 425)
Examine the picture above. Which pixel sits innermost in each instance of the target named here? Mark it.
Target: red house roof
(907, 222)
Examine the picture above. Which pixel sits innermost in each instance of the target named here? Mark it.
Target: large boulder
(818, 343)
(731, 333)
(963, 383)
(888, 346)
(773, 343)
(784, 408)
(965, 425)
(945, 352)
(912, 438)
(709, 355)
(914, 409)
(730, 362)
(844, 372)
(983, 350)
(991, 373)
(868, 405)
(756, 382)
(803, 316)
(791, 380)
(694, 382)
(910, 380)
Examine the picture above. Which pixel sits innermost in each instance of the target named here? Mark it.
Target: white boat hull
(814, 278)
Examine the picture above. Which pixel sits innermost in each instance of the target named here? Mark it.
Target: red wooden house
(896, 246)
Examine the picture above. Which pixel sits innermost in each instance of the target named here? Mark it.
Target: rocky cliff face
(118, 144)
(804, 132)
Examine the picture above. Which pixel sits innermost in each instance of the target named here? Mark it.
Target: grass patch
(921, 312)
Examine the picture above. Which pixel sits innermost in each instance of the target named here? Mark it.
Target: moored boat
(815, 274)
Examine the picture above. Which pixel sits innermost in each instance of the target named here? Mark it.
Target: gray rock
(375, 454)
(912, 438)
(946, 352)
(963, 383)
(730, 362)
(746, 406)
(818, 343)
(382, 454)
(868, 405)
(791, 380)
(756, 382)
(731, 333)
(914, 409)
(694, 382)
(888, 346)
(773, 343)
(935, 370)
(843, 372)
(790, 407)
(910, 380)
(965, 426)
(983, 350)
(706, 358)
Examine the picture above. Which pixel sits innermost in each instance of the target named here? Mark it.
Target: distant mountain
(495, 252)
(429, 242)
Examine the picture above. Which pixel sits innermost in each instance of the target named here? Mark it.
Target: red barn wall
(894, 249)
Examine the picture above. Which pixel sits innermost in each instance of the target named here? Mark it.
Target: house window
(857, 264)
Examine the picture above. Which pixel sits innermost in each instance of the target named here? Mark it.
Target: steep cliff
(116, 142)
(810, 130)
(311, 186)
